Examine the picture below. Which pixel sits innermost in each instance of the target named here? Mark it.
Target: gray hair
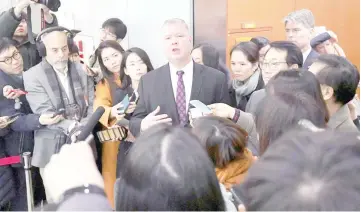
(175, 21)
(304, 17)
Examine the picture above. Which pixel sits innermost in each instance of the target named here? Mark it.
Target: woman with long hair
(135, 64)
(110, 92)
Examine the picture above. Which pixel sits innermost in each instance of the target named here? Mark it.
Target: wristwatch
(84, 189)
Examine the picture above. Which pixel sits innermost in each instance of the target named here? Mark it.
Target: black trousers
(19, 202)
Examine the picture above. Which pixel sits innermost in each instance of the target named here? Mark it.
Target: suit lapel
(310, 58)
(197, 81)
(53, 94)
(339, 117)
(167, 93)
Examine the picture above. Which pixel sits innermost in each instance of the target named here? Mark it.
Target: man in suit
(282, 55)
(339, 80)
(299, 26)
(169, 89)
(56, 83)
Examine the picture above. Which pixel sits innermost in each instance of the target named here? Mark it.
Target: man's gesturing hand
(153, 119)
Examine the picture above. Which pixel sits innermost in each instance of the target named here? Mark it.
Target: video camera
(53, 5)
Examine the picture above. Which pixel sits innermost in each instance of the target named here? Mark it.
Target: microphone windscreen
(92, 122)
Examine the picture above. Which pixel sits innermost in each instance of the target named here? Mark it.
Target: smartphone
(134, 97)
(19, 91)
(61, 111)
(201, 107)
(14, 116)
(125, 102)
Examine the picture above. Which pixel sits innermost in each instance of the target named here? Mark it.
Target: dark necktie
(181, 99)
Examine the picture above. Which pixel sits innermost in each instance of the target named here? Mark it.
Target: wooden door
(340, 16)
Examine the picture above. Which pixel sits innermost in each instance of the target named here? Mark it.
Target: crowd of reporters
(282, 132)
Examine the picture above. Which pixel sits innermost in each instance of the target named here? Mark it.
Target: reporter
(242, 119)
(225, 143)
(13, 25)
(112, 29)
(19, 137)
(326, 43)
(168, 170)
(122, 72)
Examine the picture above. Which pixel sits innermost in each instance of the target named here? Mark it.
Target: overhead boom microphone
(93, 120)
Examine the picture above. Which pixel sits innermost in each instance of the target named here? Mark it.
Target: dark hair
(294, 53)
(6, 43)
(339, 74)
(306, 171)
(176, 174)
(116, 26)
(260, 42)
(223, 139)
(297, 80)
(73, 48)
(279, 112)
(210, 55)
(143, 56)
(108, 75)
(249, 49)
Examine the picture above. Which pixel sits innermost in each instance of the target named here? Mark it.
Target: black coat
(20, 136)
(7, 185)
(243, 102)
(28, 51)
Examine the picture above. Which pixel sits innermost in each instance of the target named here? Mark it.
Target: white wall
(144, 19)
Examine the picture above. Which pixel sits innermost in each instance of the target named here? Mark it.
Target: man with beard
(54, 84)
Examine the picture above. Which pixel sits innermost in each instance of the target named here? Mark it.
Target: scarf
(235, 172)
(75, 85)
(244, 88)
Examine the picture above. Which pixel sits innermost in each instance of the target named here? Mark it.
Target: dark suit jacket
(341, 121)
(254, 101)
(155, 89)
(310, 59)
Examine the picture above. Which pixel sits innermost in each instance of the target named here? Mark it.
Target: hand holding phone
(61, 111)
(19, 92)
(125, 103)
(118, 110)
(202, 108)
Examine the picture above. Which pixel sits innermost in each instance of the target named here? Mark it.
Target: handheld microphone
(93, 120)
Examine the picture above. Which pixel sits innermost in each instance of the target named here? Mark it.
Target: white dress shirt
(187, 79)
(305, 55)
(64, 80)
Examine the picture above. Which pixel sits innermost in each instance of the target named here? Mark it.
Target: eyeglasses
(8, 60)
(272, 65)
(105, 32)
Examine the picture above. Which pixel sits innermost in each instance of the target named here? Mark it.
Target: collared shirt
(187, 79)
(64, 80)
(305, 55)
